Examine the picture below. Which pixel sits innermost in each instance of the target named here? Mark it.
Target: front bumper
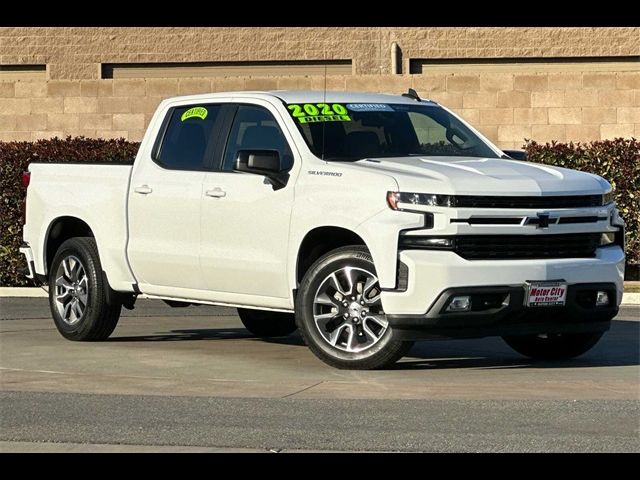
(433, 273)
(501, 311)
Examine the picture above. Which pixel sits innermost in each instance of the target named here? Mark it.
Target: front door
(165, 198)
(245, 222)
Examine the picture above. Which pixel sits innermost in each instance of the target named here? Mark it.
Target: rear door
(165, 200)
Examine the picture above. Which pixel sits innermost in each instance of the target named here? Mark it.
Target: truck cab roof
(307, 96)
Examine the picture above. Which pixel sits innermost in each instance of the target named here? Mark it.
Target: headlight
(608, 197)
(608, 238)
(423, 199)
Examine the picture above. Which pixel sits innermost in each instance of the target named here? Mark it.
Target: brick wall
(577, 106)
(507, 106)
(77, 52)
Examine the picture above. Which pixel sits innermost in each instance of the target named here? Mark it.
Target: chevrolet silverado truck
(364, 221)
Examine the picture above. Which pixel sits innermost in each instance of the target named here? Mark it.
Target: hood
(484, 176)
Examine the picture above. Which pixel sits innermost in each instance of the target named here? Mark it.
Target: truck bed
(97, 194)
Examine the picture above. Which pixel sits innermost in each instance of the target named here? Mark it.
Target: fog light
(460, 304)
(602, 299)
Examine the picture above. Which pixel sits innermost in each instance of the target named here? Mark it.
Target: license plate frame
(537, 293)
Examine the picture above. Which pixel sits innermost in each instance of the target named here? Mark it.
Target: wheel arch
(319, 241)
(59, 230)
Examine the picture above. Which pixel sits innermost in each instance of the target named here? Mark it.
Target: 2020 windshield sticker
(319, 112)
(369, 107)
(195, 112)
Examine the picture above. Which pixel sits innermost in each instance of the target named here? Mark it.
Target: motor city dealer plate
(545, 294)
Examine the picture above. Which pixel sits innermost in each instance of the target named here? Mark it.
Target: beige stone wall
(508, 108)
(77, 52)
(577, 102)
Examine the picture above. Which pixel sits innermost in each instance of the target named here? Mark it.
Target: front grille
(581, 201)
(514, 247)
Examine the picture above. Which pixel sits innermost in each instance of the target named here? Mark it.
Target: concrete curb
(23, 292)
(627, 298)
(631, 299)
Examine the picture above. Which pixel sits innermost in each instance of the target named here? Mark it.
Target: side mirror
(516, 154)
(262, 162)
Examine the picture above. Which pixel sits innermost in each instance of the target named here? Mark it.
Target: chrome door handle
(216, 193)
(143, 189)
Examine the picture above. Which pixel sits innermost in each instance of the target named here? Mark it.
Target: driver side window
(254, 128)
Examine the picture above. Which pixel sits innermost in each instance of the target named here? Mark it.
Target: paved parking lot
(194, 379)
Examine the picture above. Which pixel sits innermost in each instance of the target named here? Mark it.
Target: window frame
(219, 125)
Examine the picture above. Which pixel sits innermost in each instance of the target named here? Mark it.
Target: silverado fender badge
(324, 173)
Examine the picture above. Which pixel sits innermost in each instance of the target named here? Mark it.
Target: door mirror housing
(262, 162)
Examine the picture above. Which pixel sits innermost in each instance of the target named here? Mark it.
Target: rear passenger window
(189, 138)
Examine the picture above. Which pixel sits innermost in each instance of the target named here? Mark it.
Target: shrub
(14, 159)
(616, 160)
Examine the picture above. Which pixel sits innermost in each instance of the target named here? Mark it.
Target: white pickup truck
(365, 221)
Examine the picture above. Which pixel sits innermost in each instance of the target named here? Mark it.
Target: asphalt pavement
(192, 379)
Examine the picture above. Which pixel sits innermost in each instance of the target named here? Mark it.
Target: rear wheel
(265, 323)
(558, 346)
(82, 304)
(339, 312)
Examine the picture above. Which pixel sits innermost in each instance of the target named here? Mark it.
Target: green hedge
(616, 160)
(14, 159)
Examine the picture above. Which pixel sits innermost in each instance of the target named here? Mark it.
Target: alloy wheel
(72, 290)
(347, 310)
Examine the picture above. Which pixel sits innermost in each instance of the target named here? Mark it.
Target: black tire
(102, 310)
(382, 354)
(560, 346)
(266, 324)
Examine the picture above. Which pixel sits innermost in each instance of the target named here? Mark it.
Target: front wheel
(558, 346)
(339, 312)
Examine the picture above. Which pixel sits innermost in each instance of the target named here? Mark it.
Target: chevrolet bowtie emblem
(542, 220)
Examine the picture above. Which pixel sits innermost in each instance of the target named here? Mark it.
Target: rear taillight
(25, 180)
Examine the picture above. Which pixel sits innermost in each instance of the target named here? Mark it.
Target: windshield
(353, 131)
